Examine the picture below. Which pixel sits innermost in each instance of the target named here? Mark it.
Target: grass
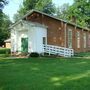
(45, 74)
(83, 54)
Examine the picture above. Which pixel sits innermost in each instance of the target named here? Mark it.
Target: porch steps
(58, 51)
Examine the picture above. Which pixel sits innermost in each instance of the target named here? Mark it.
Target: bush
(5, 51)
(34, 54)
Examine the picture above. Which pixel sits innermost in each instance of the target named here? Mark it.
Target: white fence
(56, 50)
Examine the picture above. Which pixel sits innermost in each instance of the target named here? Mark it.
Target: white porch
(34, 32)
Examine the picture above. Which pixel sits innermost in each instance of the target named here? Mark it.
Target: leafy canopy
(78, 12)
(4, 23)
(42, 5)
(2, 3)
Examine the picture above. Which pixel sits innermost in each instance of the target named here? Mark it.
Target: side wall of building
(79, 42)
(57, 32)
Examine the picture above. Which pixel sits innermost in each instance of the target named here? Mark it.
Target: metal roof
(32, 11)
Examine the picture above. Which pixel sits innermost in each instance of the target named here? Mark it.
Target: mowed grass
(45, 74)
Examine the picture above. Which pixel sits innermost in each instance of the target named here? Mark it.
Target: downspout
(65, 34)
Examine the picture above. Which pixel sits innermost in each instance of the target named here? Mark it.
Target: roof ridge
(34, 10)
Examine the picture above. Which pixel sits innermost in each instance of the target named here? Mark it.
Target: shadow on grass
(45, 74)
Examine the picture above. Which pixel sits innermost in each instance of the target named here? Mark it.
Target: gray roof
(7, 40)
(31, 11)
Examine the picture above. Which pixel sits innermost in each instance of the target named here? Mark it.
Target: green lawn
(45, 74)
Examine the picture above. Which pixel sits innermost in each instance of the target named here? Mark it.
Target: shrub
(5, 51)
(34, 54)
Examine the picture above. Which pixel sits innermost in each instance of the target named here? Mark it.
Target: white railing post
(49, 50)
(61, 51)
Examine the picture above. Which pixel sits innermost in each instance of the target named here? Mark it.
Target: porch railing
(56, 50)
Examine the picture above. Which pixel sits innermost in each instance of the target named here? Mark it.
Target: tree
(42, 5)
(81, 11)
(45, 6)
(62, 11)
(4, 31)
(4, 23)
(78, 12)
(2, 3)
(27, 5)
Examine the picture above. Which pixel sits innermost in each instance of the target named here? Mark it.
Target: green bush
(34, 54)
(5, 51)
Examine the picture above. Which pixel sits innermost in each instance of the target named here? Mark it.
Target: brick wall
(57, 30)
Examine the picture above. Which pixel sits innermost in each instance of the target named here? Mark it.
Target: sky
(11, 8)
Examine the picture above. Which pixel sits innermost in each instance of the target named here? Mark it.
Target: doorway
(24, 45)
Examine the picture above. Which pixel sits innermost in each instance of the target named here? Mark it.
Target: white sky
(14, 5)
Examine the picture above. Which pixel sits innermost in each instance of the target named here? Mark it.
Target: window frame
(78, 39)
(69, 38)
(84, 40)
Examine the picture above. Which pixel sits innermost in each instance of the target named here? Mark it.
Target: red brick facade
(57, 31)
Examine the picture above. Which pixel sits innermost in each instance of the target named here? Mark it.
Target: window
(78, 39)
(44, 40)
(84, 39)
(89, 40)
(69, 38)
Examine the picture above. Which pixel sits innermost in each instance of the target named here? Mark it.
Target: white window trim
(84, 39)
(78, 39)
(88, 40)
(69, 38)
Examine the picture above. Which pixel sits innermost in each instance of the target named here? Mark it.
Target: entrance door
(24, 45)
